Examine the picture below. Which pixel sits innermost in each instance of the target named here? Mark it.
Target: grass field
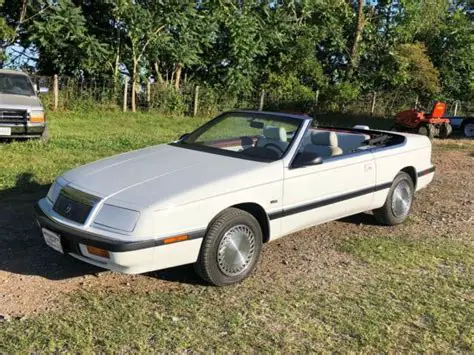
(344, 286)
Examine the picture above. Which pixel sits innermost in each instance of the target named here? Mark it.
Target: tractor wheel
(445, 130)
(396, 128)
(427, 130)
(468, 128)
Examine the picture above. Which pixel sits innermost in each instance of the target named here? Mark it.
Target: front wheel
(397, 207)
(231, 248)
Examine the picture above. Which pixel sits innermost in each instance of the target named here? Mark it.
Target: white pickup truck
(21, 112)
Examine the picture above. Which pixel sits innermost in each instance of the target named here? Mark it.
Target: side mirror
(184, 136)
(306, 159)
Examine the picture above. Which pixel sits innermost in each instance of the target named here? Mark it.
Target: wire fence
(66, 93)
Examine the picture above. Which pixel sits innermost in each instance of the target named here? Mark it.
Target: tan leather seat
(274, 135)
(325, 144)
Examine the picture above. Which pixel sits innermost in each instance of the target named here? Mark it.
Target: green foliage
(415, 70)
(235, 48)
(64, 44)
(168, 100)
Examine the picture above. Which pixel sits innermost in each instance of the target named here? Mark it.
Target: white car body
(165, 191)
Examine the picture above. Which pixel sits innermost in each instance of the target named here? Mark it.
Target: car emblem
(68, 209)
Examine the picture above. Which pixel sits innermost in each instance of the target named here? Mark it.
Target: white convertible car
(216, 195)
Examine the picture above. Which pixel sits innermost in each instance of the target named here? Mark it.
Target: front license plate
(5, 131)
(53, 240)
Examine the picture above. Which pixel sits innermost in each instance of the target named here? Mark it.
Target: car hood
(10, 101)
(167, 175)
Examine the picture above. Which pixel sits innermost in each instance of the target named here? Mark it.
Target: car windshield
(247, 135)
(15, 84)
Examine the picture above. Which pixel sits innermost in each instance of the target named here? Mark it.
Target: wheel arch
(260, 215)
(411, 171)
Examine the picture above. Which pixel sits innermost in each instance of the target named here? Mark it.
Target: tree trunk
(177, 76)
(159, 77)
(134, 86)
(354, 55)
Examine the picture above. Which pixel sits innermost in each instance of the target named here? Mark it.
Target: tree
(60, 36)
(450, 46)
(354, 53)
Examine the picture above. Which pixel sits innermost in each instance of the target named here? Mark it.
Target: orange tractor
(431, 125)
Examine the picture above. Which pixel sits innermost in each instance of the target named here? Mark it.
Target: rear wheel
(445, 130)
(231, 248)
(397, 207)
(427, 130)
(468, 128)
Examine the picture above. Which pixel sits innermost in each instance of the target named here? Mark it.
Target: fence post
(456, 103)
(125, 93)
(374, 98)
(262, 100)
(196, 100)
(55, 92)
(148, 92)
(417, 98)
(316, 98)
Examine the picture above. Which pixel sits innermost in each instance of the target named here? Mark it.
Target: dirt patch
(33, 278)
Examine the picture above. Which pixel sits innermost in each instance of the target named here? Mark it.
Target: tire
(396, 128)
(445, 130)
(423, 130)
(468, 128)
(427, 130)
(45, 135)
(219, 262)
(395, 211)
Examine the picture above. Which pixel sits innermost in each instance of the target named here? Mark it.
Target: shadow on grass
(360, 218)
(181, 274)
(22, 248)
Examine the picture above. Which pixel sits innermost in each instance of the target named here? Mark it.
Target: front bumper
(131, 257)
(23, 129)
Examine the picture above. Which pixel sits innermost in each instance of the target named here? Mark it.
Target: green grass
(399, 294)
(80, 138)
(405, 295)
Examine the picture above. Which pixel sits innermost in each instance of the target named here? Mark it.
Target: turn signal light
(178, 238)
(98, 252)
(37, 117)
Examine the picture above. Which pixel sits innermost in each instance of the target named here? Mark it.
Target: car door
(339, 187)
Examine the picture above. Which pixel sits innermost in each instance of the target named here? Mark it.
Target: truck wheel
(45, 135)
(230, 249)
(445, 130)
(397, 207)
(468, 128)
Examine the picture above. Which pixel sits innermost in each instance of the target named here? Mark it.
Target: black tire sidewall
(207, 265)
(385, 213)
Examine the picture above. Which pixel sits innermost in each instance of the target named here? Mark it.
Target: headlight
(37, 116)
(55, 189)
(117, 218)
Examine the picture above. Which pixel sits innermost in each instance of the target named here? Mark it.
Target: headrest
(327, 139)
(275, 133)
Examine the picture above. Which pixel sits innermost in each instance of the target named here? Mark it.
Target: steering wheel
(268, 145)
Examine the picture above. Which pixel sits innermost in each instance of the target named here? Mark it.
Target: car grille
(13, 115)
(75, 205)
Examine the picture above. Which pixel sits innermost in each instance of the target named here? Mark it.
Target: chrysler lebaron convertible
(216, 195)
